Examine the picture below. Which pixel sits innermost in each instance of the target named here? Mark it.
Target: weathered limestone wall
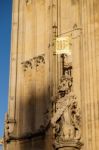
(89, 87)
(96, 32)
(29, 75)
(35, 71)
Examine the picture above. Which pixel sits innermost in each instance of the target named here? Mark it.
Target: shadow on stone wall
(32, 126)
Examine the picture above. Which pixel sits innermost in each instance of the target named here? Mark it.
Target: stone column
(89, 77)
(66, 133)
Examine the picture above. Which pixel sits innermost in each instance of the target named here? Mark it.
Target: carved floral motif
(35, 61)
(39, 60)
(27, 64)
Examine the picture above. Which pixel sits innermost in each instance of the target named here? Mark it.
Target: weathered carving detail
(27, 64)
(10, 135)
(39, 60)
(66, 118)
(66, 64)
(35, 61)
(9, 127)
(28, 2)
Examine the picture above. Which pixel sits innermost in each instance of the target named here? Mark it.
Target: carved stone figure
(66, 118)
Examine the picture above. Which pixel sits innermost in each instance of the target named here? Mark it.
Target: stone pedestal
(68, 145)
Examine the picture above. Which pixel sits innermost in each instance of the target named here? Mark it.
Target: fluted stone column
(32, 87)
(89, 77)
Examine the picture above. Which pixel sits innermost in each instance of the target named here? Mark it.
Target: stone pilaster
(88, 76)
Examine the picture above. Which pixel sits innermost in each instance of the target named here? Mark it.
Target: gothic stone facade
(53, 95)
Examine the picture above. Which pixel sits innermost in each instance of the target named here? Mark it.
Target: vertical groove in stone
(89, 76)
(35, 48)
(22, 59)
(84, 73)
(13, 61)
(20, 89)
(96, 31)
(54, 65)
(92, 72)
(89, 73)
(95, 87)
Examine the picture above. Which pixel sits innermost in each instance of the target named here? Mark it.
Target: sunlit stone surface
(54, 89)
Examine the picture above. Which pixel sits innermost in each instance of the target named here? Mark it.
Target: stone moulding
(28, 136)
(68, 145)
(11, 136)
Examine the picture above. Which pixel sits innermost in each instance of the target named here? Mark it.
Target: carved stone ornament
(9, 127)
(28, 2)
(66, 120)
(39, 60)
(27, 64)
(33, 62)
